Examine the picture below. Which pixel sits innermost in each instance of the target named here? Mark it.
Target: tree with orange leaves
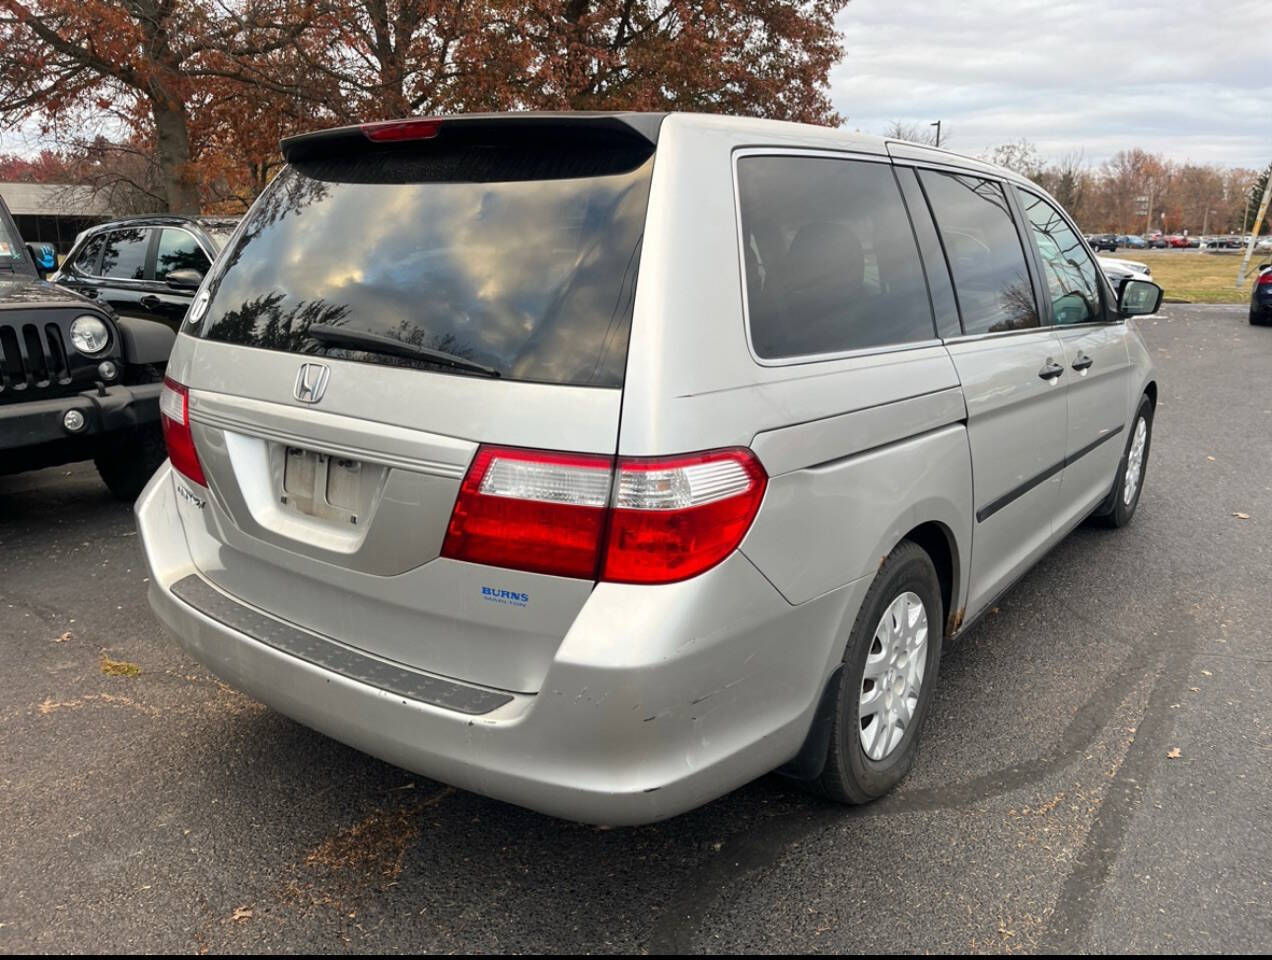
(140, 61)
(210, 85)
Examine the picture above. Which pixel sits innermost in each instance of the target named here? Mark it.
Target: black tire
(849, 774)
(1114, 511)
(129, 459)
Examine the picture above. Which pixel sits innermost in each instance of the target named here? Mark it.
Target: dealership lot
(1095, 774)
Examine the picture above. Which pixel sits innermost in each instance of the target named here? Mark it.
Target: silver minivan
(602, 463)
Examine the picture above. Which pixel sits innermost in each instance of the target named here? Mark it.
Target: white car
(1118, 270)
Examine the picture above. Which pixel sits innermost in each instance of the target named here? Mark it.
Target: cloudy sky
(1188, 78)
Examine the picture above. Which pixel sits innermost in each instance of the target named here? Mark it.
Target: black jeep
(76, 381)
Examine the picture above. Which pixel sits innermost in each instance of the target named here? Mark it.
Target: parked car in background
(1103, 241)
(1134, 242)
(1117, 270)
(1158, 242)
(1192, 242)
(76, 382)
(1261, 296)
(145, 267)
(1264, 245)
(1177, 241)
(545, 504)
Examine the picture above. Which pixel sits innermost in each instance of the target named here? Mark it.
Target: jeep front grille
(33, 361)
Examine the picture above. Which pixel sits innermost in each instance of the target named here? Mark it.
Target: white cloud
(1186, 78)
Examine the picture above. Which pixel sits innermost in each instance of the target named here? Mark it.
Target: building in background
(54, 212)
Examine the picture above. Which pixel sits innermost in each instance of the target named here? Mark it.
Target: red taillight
(675, 518)
(1265, 279)
(666, 519)
(174, 414)
(543, 512)
(393, 131)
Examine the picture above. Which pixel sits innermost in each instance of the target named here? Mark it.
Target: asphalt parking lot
(1095, 774)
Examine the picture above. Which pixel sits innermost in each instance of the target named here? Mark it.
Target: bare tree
(916, 133)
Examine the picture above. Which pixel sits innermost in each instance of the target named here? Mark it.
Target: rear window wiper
(378, 343)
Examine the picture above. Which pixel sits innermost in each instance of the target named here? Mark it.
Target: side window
(1072, 280)
(984, 252)
(178, 250)
(830, 259)
(934, 265)
(125, 254)
(86, 262)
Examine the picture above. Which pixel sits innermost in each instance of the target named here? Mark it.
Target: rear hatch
(401, 294)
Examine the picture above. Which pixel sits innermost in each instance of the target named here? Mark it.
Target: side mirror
(187, 278)
(45, 258)
(1136, 298)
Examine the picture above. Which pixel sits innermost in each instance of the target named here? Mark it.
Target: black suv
(1103, 241)
(147, 267)
(76, 382)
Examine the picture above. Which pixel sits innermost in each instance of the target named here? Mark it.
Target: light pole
(937, 124)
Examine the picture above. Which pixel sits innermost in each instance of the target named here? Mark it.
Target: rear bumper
(657, 701)
(120, 407)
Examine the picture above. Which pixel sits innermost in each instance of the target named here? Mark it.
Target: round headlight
(89, 335)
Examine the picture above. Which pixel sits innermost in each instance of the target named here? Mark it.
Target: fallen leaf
(1195, 689)
(241, 913)
(1206, 673)
(1211, 459)
(1172, 753)
(64, 637)
(1242, 516)
(119, 668)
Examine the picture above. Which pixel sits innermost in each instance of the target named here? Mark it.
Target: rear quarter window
(829, 257)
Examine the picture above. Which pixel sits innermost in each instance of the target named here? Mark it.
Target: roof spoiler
(562, 130)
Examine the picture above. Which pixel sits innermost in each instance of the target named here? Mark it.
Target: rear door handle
(1082, 362)
(150, 302)
(1050, 370)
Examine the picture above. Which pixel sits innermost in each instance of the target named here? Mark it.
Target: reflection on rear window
(533, 278)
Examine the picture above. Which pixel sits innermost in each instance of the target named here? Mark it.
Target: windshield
(533, 278)
(12, 252)
(220, 235)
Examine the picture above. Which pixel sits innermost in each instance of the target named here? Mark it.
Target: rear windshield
(532, 277)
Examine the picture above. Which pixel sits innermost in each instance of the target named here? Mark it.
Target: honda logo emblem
(311, 382)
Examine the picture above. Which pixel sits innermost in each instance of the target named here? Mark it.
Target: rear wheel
(130, 459)
(1119, 506)
(885, 687)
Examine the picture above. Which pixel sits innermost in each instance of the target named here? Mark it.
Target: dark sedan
(1261, 297)
(1104, 241)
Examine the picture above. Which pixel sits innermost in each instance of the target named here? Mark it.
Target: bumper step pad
(336, 657)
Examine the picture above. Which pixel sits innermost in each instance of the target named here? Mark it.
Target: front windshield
(220, 235)
(12, 254)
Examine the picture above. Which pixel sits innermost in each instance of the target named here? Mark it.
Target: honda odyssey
(601, 463)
